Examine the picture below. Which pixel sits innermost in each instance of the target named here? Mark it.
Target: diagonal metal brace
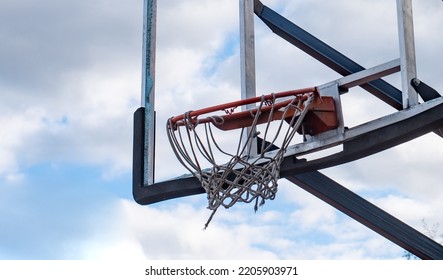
(368, 214)
(325, 53)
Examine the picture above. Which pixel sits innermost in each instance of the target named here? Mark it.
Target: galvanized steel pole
(148, 90)
(247, 63)
(407, 52)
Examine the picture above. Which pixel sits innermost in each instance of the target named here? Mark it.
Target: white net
(242, 175)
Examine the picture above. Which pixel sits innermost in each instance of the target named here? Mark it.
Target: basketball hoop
(245, 175)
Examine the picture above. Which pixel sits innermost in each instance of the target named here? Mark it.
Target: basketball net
(245, 177)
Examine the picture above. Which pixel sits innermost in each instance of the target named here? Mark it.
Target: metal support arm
(325, 53)
(368, 214)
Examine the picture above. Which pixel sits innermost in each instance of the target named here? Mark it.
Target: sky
(70, 81)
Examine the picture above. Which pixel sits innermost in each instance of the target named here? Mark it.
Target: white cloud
(18, 130)
(202, 29)
(70, 98)
(91, 122)
(175, 230)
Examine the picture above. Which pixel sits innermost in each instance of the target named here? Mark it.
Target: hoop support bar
(368, 75)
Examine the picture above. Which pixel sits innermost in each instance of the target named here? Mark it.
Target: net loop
(217, 120)
(245, 174)
(190, 122)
